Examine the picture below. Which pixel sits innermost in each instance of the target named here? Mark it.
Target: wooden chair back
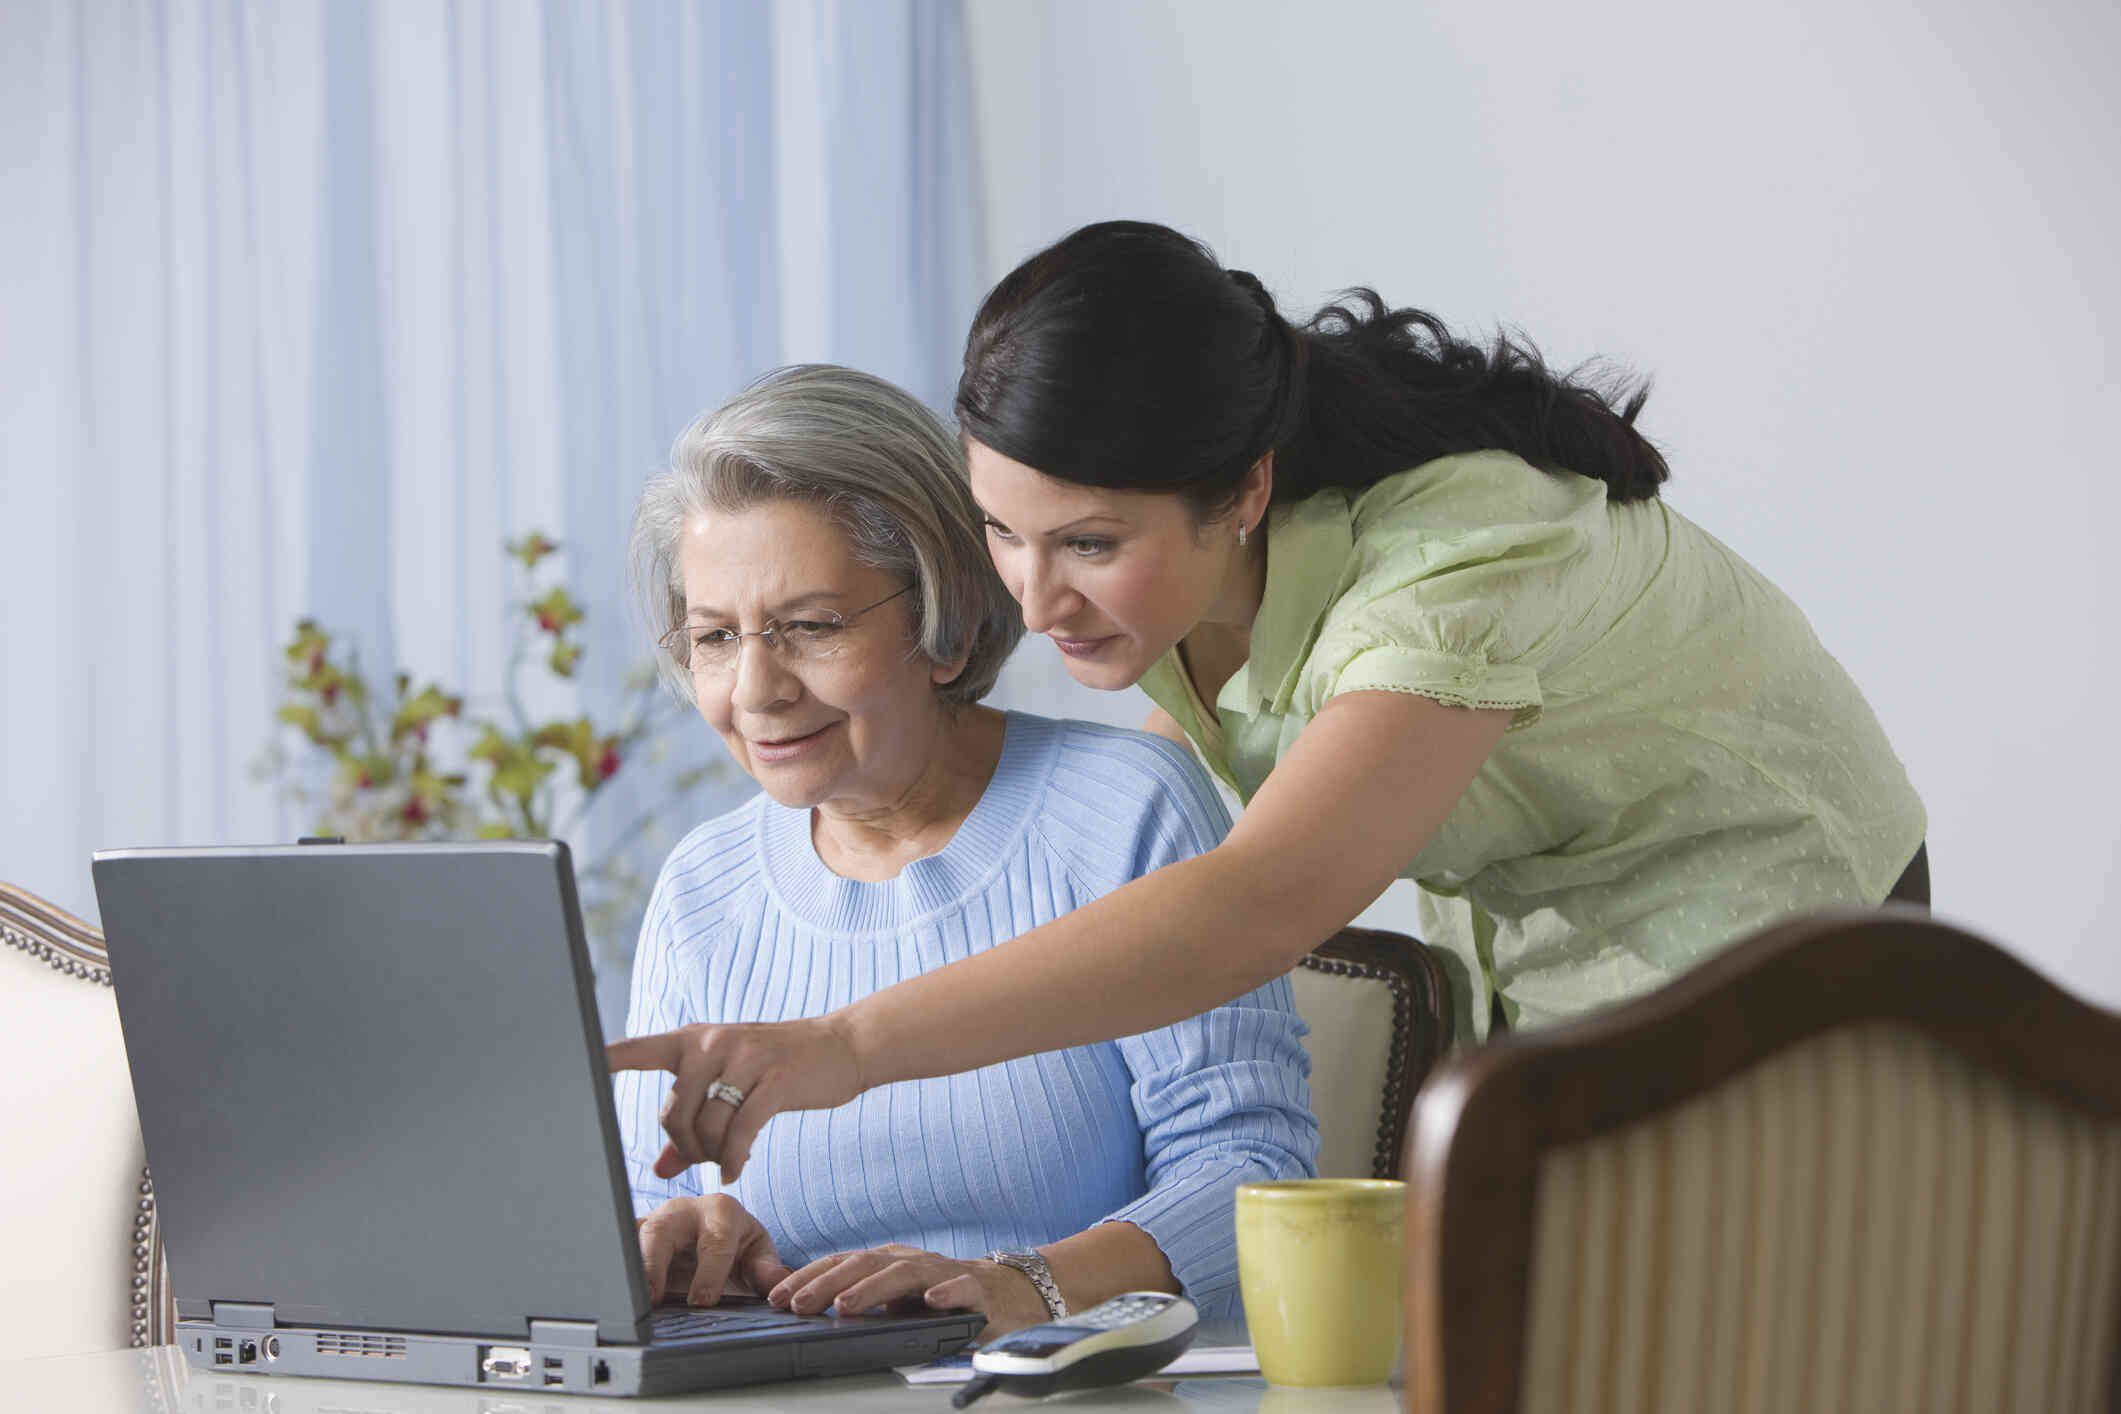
(1861, 1161)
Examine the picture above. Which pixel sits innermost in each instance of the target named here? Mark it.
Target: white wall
(1866, 251)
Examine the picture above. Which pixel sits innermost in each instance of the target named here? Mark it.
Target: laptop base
(727, 1357)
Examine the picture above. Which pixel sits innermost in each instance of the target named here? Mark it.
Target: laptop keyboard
(675, 1323)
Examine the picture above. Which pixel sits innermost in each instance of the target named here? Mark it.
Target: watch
(1027, 1261)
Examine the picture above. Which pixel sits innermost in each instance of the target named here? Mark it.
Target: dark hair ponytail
(1125, 356)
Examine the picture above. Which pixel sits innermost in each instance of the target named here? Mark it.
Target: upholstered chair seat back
(81, 1265)
(1378, 1008)
(1868, 1185)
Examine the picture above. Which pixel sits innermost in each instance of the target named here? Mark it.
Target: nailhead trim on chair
(1395, 1102)
(150, 1277)
(69, 949)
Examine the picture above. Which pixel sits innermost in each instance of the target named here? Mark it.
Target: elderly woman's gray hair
(881, 465)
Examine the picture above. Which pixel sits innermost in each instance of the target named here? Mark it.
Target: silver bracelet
(1027, 1261)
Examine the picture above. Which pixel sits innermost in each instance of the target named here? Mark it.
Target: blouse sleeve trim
(1447, 678)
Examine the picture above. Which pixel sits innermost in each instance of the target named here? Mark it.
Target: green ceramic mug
(1322, 1264)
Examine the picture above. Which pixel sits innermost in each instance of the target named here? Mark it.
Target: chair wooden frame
(1484, 1119)
(66, 944)
(1420, 990)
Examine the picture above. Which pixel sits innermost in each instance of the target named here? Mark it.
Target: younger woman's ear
(1256, 490)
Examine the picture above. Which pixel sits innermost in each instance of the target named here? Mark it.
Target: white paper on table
(1199, 1360)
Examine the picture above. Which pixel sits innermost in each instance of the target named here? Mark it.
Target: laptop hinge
(243, 1315)
(563, 1333)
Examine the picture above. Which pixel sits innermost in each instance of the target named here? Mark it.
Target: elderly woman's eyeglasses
(816, 638)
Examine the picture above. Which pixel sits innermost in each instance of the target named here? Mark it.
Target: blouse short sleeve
(1461, 577)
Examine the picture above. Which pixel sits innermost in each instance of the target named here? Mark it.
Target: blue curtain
(312, 304)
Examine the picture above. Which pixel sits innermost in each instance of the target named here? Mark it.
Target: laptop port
(601, 1375)
(272, 1347)
(504, 1362)
(247, 1353)
(222, 1357)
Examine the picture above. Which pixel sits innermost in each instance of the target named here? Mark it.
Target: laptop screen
(371, 1084)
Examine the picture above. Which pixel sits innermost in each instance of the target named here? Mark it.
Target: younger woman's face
(1114, 578)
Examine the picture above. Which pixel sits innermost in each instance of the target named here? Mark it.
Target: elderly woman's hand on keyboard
(698, 1245)
(901, 1278)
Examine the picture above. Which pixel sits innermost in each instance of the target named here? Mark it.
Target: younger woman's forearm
(1360, 794)
(1190, 936)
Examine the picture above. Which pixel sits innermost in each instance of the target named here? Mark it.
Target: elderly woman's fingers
(700, 1243)
(812, 1288)
(762, 1268)
(903, 1281)
(665, 1233)
(725, 1232)
(963, 1292)
(782, 1292)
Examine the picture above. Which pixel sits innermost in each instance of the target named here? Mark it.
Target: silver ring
(725, 1092)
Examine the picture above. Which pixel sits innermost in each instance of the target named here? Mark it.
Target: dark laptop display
(372, 1088)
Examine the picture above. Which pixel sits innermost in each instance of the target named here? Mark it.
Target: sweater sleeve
(663, 998)
(1222, 1098)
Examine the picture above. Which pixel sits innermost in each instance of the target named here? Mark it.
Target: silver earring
(1241, 532)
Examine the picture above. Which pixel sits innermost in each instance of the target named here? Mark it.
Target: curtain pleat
(311, 305)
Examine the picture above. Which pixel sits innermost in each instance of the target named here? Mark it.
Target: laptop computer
(372, 1089)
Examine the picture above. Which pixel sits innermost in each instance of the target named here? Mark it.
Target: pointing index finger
(644, 1053)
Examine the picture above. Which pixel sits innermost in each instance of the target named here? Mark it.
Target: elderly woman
(831, 609)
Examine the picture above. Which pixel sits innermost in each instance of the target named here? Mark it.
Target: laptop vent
(389, 1347)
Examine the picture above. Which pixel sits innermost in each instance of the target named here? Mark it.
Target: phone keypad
(1123, 1310)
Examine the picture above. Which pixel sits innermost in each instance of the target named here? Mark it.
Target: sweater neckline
(810, 892)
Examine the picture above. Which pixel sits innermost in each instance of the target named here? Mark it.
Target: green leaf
(491, 746)
(531, 548)
(571, 737)
(296, 714)
(366, 772)
(310, 643)
(596, 759)
(424, 707)
(556, 612)
(521, 777)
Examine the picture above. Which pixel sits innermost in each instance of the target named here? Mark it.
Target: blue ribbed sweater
(747, 924)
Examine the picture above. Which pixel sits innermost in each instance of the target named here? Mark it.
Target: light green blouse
(1686, 763)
